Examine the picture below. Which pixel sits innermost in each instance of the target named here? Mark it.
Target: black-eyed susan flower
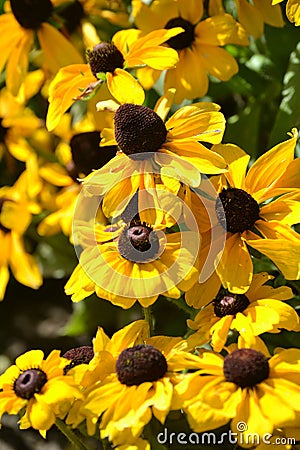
(245, 386)
(135, 377)
(292, 10)
(199, 47)
(150, 144)
(19, 26)
(260, 309)
(258, 210)
(15, 217)
(252, 15)
(132, 262)
(37, 389)
(108, 62)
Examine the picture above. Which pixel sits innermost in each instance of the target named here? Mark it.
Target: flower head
(39, 388)
(260, 309)
(245, 386)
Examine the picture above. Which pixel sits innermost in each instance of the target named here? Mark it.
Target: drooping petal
(17, 63)
(237, 161)
(218, 62)
(64, 88)
(124, 87)
(285, 254)
(189, 78)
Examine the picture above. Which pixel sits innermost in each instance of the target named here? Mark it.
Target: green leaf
(288, 115)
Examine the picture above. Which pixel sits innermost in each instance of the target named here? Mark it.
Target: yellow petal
(124, 87)
(271, 14)
(219, 63)
(23, 265)
(250, 17)
(58, 50)
(235, 266)
(219, 332)
(64, 88)
(253, 415)
(199, 156)
(293, 12)
(4, 277)
(285, 254)
(269, 167)
(202, 121)
(30, 359)
(189, 78)
(12, 34)
(237, 161)
(220, 30)
(17, 64)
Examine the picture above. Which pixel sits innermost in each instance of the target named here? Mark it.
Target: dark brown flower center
(138, 129)
(30, 382)
(236, 210)
(184, 39)
(138, 243)
(105, 57)
(246, 367)
(72, 14)
(78, 355)
(139, 364)
(3, 131)
(2, 201)
(226, 303)
(87, 154)
(31, 13)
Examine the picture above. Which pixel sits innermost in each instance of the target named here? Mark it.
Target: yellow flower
(134, 379)
(199, 47)
(108, 62)
(258, 209)
(257, 311)
(252, 15)
(15, 217)
(38, 389)
(292, 10)
(134, 262)
(19, 27)
(152, 147)
(244, 387)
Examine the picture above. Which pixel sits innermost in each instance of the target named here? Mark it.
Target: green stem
(149, 318)
(70, 435)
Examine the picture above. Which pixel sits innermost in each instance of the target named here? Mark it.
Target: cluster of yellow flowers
(155, 205)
